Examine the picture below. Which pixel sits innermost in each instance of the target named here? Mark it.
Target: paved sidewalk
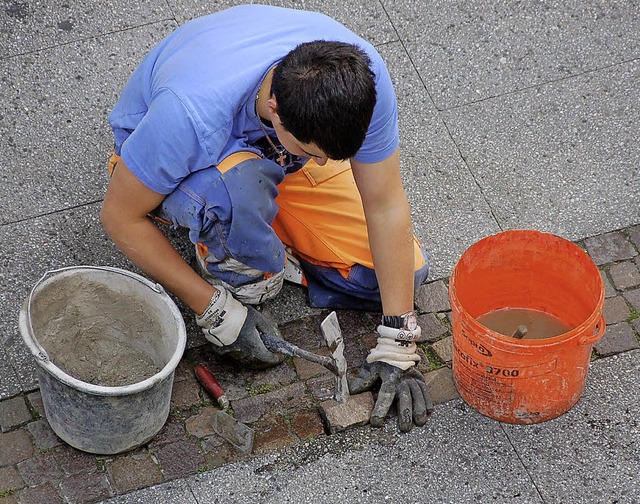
(513, 115)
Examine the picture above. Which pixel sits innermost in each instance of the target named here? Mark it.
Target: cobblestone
(617, 338)
(133, 472)
(609, 289)
(85, 487)
(39, 469)
(432, 327)
(13, 412)
(433, 297)
(633, 297)
(16, 447)
(625, 275)
(441, 386)
(45, 493)
(444, 349)
(615, 310)
(609, 247)
(179, 459)
(10, 479)
(253, 408)
(356, 411)
(200, 425)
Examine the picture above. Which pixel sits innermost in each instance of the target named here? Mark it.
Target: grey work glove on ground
(234, 330)
(407, 387)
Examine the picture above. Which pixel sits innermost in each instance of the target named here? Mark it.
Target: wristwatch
(405, 321)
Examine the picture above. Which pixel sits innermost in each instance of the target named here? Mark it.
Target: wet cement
(96, 334)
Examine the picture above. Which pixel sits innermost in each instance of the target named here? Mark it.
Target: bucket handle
(597, 333)
(42, 353)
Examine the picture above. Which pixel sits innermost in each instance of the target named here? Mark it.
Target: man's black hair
(326, 93)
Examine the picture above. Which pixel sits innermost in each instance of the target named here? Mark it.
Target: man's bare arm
(124, 216)
(390, 232)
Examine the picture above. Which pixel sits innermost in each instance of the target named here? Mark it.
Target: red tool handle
(211, 385)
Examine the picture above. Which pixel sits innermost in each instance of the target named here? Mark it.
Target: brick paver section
(284, 404)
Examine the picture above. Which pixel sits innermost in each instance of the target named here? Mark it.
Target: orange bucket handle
(597, 334)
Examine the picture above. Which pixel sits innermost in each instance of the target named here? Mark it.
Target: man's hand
(234, 330)
(390, 362)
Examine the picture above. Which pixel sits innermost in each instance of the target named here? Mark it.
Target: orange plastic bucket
(518, 380)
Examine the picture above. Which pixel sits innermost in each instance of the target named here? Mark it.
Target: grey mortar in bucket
(106, 343)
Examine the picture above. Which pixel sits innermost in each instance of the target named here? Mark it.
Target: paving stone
(217, 452)
(10, 479)
(273, 433)
(35, 401)
(441, 386)
(281, 400)
(16, 447)
(617, 338)
(13, 412)
(74, 461)
(609, 247)
(354, 354)
(271, 377)
(304, 332)
(41, 494)
(179, 459)
(39, 469)
(609, 289)
(322, 387)
(354, 323)
(86, 487)
(431, 327)
(356, 411)
(43, 435)
(307, 424)
(615, 310)
(306, 369)
(200, 425)
(633, 297)
(185, 394)
(133, 472)
(10, 498)
(171, 431)
(444, 349)
(433, 297)
(625, 275)
(635, 323)
(634, 235)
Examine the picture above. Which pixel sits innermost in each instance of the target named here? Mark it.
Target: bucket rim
(42, 358)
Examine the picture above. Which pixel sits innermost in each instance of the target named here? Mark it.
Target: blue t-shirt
(190, 103)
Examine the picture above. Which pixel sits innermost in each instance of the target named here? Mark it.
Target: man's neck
(264, 93)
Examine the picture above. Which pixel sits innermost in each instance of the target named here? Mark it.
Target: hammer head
(333, 336)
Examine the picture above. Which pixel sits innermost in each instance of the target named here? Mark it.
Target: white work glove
(390, 362)
(234, 330)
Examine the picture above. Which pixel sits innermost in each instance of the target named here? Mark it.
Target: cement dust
(96, 334)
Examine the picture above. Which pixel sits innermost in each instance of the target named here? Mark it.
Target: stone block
(16, 447)
(609, 247)
(609, 289)
(354, 323)
(40, 469)
(133, 472)
(13, 412)
(179, 459)
(200, 425)
(441, 386)
(634, 235)
(86, 487)
(281, 400)
(35, 402)
(617, 338)
(273, 433)
(322, 387)
(306, 369)
(625, 275)
(304, 332)
(185, 394)
(615, 310)
(40, 494)
(432, 327)
(74, 461)
(307, 424)
(633, 297)
(433, 297)
(356, 411)
(172, 431)
(43, 435)
(444, 349)
(218, 452)
(10, 479)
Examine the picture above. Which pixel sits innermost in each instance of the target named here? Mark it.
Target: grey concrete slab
(367, 19)
(592, 453)
(54, 135)
(30, 26)
(174, 492)
(561, 157)
(469, 51)
(9, 382)
(459, 456)
(449, 209)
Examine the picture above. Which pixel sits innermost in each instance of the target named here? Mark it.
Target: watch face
(410, 321)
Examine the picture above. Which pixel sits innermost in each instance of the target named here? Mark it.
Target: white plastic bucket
(92, 417)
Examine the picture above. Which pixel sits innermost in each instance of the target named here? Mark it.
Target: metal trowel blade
(237, 433)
